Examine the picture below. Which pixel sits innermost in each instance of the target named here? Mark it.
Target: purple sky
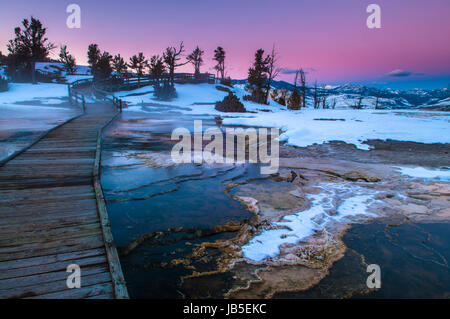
(328, 38)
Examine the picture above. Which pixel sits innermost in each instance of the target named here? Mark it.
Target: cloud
(293, 71)
(402, 73)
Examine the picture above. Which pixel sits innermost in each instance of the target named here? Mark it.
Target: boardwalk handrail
(106, 88)
(115, 268)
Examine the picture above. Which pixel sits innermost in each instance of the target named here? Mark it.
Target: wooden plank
(49, 248)
(58, 266)
(6, 285)
(59, 286)
(50, 216)
(82, 293)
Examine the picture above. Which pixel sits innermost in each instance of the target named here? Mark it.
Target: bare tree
(324, 97)
(315, 96)
(272, 71)
(171, 57)
(378, 99)
(333, 106)
(303, 87)
(358, 104)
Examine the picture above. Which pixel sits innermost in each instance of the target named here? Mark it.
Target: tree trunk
(33, 72)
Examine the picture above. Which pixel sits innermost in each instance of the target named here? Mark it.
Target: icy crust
(307, 126)
(425, 173)
(326, 209)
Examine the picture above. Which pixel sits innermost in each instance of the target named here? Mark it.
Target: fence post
(84, 105)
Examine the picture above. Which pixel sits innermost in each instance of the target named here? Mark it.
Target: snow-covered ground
(28, 110)
(45, 93)
(20, 125)
(425, 173)
(307, 126)
(323, 212)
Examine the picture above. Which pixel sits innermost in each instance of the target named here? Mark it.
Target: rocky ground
(339, 172)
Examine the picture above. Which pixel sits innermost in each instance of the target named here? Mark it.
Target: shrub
(230, 104)
(165, 92)
(223, 89)
(226, 82)
(3, 84)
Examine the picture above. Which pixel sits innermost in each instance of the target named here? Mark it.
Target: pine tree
(103, 67)
(68, 60)
(29, 46)
(196, 58)
(93, 56)
(138, 63)
(156, 68)
(119, 65)
(219, 57)
(100, 63)
(257, 76)
(294, 100)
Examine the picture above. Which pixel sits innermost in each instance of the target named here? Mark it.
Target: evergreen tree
(196, 58)
(68, 60)
(119, 65)
(103, 67)
(138, 63)
(257, 76)
(29, 46)
(294, 100)
(219, 57)
(100, 63)
(93, 56)
(156, 68)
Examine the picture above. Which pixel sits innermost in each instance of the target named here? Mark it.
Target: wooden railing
(75, 97)
(105, 89)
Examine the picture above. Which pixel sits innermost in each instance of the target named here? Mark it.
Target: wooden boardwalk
(52, 216)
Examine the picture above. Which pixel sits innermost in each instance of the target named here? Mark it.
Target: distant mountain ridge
(390, 98)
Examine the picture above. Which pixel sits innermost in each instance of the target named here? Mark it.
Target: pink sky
(328, 38)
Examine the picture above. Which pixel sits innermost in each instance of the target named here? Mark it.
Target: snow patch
(323, 211)
(425, 173)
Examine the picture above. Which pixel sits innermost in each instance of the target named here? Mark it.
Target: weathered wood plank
(50, 216)
(82, 293)
(6, 285)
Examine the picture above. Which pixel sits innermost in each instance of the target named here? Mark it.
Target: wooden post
(84, 104)
(120, 103)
